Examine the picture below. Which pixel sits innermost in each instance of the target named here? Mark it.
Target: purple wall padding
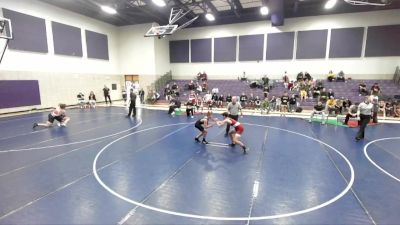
(67, 39)
(17, 93)
(346, 42)
(251, 47)
(383, 41)
(225, 49)
(29, 32)
(311, 44)
(280, 46)
(179, 51)
(200, 50)
(97, 45)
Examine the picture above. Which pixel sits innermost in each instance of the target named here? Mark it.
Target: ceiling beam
(211, 7)
(238, 5)
(184, 7)
(235, 7)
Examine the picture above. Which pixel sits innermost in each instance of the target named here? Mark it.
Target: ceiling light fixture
(264, 10)
(159, 3)
(108, 9)
(330, 4)
(210, 17)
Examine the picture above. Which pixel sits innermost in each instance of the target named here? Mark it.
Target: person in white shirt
(364, 111)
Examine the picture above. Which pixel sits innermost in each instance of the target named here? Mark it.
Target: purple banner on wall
(280, 46)
(97, 45)
(179, 51)
(383, 41)
(311, 44)
(17, 93)
(200, 50)
(225, 49)
(251, 47)
(29, 32)
(346, 42)
(67, 39)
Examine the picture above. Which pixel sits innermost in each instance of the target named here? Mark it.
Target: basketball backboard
(160, 31)
(5, 28)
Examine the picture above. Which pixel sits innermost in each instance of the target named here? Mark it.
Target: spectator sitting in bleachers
(207, 100)
(204, 86)
(214, 99)
(173, 104)
(389, 108)
(202, 76)
(323, 97)
(331, 76)
(331, 105)
(340, 76)
(286, 80)
(189, 108)
(266, 91)
(351, 113)
(220, 103)
(362, 89)
(278, 104)
(191, 85)
(228, 98)
(81, 100)
(292, 103)
(397, 110)
(309, 87)
(319, 110)
(290, 85)
(252, 101)
(243, 100)
(330, 93)
(199, 88)
(375, 90)
(215, 90)
(382, 108)
(174, 86)
(265, 80)
(307, 76)
(339, 106)
(300, 77)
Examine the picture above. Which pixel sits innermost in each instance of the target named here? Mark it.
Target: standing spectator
(285, 80)
(132, 104)
(364, 111)
(189, 108)
(346, 104)
(92, 100)
(284, 103)
(292, 103)
(233, 109)
(319, 110)
(141, 95)
(167, 93)
(106, 92)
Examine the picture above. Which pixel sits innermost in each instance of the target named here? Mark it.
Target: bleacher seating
(348, 89)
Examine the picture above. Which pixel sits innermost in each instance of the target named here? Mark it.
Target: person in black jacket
(132, 104)
(106, 92)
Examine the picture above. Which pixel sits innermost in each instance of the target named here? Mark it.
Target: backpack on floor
(299, 109)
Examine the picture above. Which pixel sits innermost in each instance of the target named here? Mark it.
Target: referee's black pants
(364, 120)
(132, 109)
(228, 126)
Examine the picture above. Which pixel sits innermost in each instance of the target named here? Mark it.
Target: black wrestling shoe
(204, 142)
(358, 139)
(245, 150)
(196, 139)
(232, 145)
(35, 125)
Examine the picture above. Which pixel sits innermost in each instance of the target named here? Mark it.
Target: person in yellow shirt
(331, 105)
(331, 76)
